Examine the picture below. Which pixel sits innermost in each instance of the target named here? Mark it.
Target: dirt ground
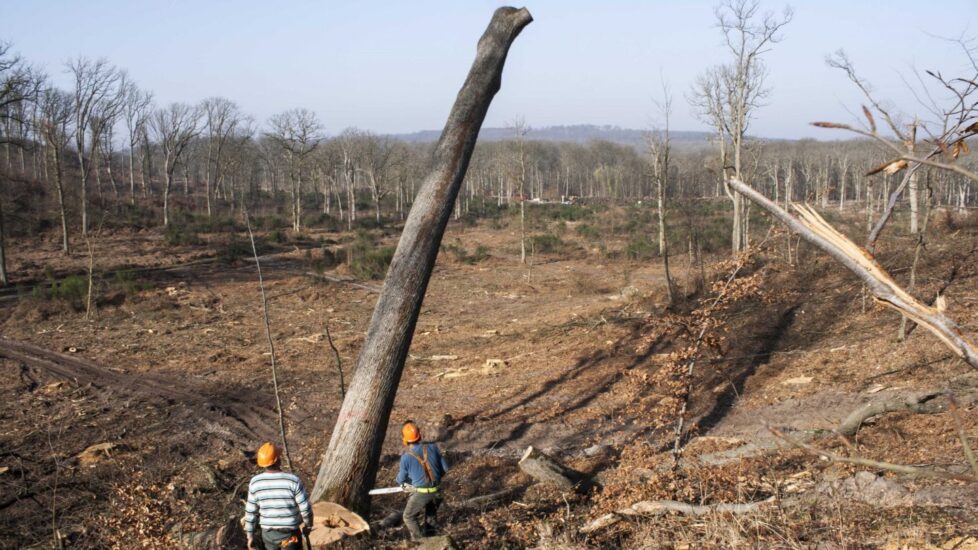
(152, 429)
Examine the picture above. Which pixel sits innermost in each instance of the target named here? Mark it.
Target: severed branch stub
(545, 469)
(349, 466)
(814, 229)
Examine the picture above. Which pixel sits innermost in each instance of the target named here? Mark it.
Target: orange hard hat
(267, 455)
(410, 433)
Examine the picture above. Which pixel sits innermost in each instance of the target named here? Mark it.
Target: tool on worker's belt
(387, 490)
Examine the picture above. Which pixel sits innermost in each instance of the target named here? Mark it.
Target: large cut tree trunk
(349, 466)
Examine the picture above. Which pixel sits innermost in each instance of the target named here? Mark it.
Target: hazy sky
(396, 66)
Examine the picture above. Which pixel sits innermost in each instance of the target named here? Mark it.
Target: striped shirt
(278, 498)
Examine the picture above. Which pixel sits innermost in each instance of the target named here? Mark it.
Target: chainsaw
(390, 490)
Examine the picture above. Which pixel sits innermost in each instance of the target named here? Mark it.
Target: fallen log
(659, 507)
(546, 469)
(919, 403)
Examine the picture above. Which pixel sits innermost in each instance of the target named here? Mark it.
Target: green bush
(330, 258)
(640, 247)
(366, 258)
(179, 235)
(566, 212)
(237, 248)
(547, 243)
(125, 281)
(277, 235)
(372, 263)
(588, 232)
(72, 289)
(462, 255)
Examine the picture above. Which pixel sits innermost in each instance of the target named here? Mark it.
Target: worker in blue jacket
(420, 473)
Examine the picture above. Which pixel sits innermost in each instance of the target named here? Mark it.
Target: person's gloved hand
(407, 487)
(305, 530)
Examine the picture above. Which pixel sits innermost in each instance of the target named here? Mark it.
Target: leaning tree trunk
(349, 465)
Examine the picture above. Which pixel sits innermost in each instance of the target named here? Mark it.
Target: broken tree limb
(913, 471)
(814, 229)
(918, 403)
(659, 507)
(349, 465)
(546, 469)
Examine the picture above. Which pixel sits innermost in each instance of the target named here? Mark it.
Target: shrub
(126, 281)
(546, 243)
(640, 247)
(179, 235)
(72, 289)
(237, 248)
(329, 257)
(366, 258)
(277, 235)
(588, 232)
(462, 255)
(566, 212)
(372, 263)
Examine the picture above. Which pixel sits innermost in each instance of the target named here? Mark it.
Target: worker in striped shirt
(279, 502)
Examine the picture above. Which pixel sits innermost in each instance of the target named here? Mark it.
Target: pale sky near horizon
(394, 67)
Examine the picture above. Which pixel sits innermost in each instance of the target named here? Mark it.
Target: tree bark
(3, 254)
(817, 231)
(349, 465)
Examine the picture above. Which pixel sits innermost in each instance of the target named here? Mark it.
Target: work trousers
(419, 514)
(272, 539)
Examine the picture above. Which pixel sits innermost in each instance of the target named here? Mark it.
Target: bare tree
(223, 117)
(297, 134)
(19, 84)
(520, 129)
(729, 94)
(56, 115)
(660, 149)
(379, 156)
(95, 83)
(103, 119)
(175, 126)
(136, 107)
(349, 465)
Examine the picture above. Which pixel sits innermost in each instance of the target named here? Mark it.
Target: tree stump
(546, 469)
(332, 523)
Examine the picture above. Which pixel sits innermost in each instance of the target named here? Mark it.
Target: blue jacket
(411, 470)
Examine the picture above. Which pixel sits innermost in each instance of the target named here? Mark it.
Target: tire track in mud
(245, 420)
